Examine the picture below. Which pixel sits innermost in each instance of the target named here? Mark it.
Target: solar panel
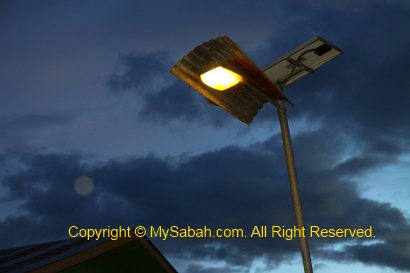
(301, 61)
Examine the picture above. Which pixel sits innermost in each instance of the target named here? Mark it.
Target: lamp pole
(224, 60)
(294, 189)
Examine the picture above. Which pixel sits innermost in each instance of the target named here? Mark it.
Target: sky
(95, 131)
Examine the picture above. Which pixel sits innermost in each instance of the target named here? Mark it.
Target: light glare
(220, 78)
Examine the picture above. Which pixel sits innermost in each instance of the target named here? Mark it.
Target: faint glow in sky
(291, 265)
(389, 184)
(84, 185)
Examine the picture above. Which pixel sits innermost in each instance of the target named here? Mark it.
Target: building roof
(79, 255)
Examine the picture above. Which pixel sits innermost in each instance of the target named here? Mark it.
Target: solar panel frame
(280, 68)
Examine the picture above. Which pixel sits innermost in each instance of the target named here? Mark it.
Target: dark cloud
(139, 72)
(207, 269)
(381, 253)
(178, 102)
(364, 90)
(230, 187)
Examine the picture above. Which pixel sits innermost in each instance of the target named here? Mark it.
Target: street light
(223, 73)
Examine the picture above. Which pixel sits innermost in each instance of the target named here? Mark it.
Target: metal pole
(297, 206)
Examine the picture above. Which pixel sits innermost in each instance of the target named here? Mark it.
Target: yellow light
(220, 78)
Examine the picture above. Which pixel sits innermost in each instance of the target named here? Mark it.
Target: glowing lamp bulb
(220, 78)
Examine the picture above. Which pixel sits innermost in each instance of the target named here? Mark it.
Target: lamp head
(223, 73)
(220, 78)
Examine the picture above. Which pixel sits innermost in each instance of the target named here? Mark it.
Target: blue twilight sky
(85, 91)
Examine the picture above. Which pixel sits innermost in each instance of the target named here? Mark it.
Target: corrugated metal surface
(80, 255)
(243, 100)
(26, 258)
